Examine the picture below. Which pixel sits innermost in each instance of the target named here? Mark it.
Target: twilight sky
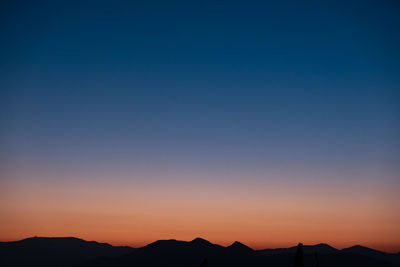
(269, 123)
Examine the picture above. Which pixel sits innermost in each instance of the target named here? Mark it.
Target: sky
(267, 122)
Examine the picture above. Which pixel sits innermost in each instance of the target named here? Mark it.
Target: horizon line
(395, 251)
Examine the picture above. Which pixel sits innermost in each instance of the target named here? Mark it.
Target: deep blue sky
(242, 85)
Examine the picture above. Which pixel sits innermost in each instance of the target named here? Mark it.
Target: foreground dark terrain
(43, 251)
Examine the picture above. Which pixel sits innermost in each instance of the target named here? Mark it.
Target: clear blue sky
(243, 83)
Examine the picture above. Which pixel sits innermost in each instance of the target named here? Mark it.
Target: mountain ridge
(195, 240)
(72, 251)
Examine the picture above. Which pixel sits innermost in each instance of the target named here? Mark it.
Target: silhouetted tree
(299, 259)
(204, 263)
(316, 258)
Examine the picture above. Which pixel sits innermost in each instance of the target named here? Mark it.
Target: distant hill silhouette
(376, 254)
(76, 252)
(319, 248)
(55, 251)
(240, 249)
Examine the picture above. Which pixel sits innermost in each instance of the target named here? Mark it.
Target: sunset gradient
(259, 213)
(270, 124)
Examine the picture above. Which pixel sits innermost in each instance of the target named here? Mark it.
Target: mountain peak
(237, 244)
(361, 249)
(240, 246)
(358, 247)
(323, 245)
(199, 240)
(54, 240)
(322, 248)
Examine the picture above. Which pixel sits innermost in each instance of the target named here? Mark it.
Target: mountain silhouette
(307, 249)
(376, 254)
(238, 247)
(177, 253)
(201, 242)
(75, 252)
(55, 251)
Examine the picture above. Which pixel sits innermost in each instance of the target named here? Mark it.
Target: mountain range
(75, 252)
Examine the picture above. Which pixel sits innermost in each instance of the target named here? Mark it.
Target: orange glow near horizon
(259, 215)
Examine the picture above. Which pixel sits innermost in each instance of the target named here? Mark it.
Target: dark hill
(307, 249)
(55, 251)
(77, 252)
(174, 253)
(240, 249)
(376, 254)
